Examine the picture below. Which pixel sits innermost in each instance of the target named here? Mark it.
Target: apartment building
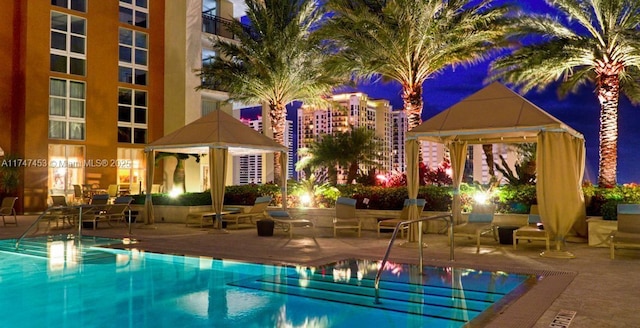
(81, 93)
(352, 110)
(84, 85)
(257, 168)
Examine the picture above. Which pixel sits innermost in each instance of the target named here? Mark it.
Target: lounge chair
(7, 209)
(532, 231)
(628, 233)
(78, 195)
(100, 199)
(284, 220)
(257, 211)
(115, 212)
(346, 216)
(479, 223)
(390, 224)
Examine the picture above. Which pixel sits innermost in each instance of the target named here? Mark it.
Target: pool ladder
(447, 217)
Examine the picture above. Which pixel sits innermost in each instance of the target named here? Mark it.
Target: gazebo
(217, 134)
(495, 114)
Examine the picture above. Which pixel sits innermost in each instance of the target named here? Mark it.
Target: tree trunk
(179, 175)
(608, 95)
(278, 115)
(353, 172)
(488, 153)
(412, 99)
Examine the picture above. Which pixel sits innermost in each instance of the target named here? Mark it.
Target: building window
(79, 5)
(132, 116)
(134, 12)
(133, 56)
(66, 168)
(66, 109)
(131, 169)
(68, 44)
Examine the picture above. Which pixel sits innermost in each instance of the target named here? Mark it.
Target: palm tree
(595, 42)
(179, 171)
(351, 149)
(277, 60)
(409, 41)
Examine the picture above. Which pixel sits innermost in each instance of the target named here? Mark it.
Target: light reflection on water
(138, 289)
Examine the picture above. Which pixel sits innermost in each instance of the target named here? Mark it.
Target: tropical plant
(178, 172)
(594, 42)
(352, 149)
(525, 166)
(275, 61)
(409, 41)
(9, 175)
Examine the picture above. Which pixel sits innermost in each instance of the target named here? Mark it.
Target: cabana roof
(495, 114)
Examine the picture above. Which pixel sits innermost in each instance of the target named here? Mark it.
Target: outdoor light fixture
(175, 192)
(1, 152)
(305, 199)
(481, 197)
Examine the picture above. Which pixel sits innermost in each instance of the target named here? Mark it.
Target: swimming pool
(66, 282)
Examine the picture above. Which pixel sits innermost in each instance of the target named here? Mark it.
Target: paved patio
(603, 292)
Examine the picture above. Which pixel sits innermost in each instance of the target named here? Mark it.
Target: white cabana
(218, 134)
(496, 114)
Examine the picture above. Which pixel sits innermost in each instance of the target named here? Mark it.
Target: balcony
(217, 25)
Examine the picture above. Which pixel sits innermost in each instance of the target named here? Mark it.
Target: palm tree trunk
(412, 99)
(488, 153)
(278, 115)
(608, 95)
(353, 172)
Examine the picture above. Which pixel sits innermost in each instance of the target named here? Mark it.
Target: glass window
(134, 13)
(69, 169)
(132, 116)
(133, 55)
(66, 109)
(133, 173)
(79, 5)
(68, 44)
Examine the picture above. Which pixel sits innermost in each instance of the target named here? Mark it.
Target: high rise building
(351, 110)
(252, 168)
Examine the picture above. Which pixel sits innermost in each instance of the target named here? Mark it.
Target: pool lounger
(284, 220)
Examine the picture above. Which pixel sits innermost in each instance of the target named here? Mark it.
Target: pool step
(430, 301)
(41, 247)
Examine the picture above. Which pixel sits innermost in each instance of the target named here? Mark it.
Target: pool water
(66, 282)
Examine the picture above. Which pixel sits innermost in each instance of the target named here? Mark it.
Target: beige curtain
(458, 153)
(412, 146)
(560, 166)
(148, 202)
(284, 173)
(217, 175)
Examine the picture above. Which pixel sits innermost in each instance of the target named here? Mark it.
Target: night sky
(580, 111)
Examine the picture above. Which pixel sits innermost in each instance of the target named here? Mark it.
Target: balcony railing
(217, 25)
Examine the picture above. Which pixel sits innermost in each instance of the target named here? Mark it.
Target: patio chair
(113, 190)
(533, 231)
(628, 233)
(78, 195)
(257, 211)
(346, 216)
(285, 221)
(479, 223)
(390, 224)
(7, 209)
(100, 199)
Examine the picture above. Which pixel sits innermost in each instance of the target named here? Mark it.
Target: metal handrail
(81, 209)
(393, 238)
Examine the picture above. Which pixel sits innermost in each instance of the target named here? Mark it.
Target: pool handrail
(80, 209)
(448, 218)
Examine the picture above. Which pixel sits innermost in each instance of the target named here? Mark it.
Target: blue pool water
(64, 282)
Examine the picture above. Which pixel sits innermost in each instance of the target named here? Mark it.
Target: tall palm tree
(276, 61)
(409, 41)
(594, 42)
(350, 150)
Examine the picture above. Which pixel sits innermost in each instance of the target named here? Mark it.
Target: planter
(505, 234)
(89, 225)
(265, 227)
